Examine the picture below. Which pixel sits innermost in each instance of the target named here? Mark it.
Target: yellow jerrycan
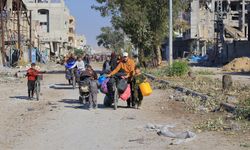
(145, 88)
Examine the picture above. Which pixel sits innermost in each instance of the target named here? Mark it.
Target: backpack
(122, 85)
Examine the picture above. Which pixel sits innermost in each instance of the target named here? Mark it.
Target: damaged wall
(15, 30)
(235, 50)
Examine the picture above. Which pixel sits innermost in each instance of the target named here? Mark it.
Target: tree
(111, 39)
(145, 22)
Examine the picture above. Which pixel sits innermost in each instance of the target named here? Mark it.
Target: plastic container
(145, 88)
(101, 79)
(126, 94)
(104, 86)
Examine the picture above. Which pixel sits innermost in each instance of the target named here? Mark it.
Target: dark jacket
(90, 73)
(113, 62)
(106, 68)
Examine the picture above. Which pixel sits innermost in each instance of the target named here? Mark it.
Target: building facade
(53, 21)
(17, 34)
(71, 33)
(80, 42)
(215, 27)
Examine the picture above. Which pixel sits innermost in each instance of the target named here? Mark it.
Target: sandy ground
(59, 122)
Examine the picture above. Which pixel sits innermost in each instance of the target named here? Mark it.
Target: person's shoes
(29, 98)
(91, 107)
(128, 106)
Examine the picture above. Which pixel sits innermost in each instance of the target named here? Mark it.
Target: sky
(88, 21)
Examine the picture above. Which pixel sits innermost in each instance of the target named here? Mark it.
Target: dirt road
(59, 122)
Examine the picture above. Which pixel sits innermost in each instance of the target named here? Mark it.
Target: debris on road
(163, 130)
(129, 118)
(30, 109)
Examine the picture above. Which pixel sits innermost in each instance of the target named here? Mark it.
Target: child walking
(93, 88)
(32, 74)
(136, 81)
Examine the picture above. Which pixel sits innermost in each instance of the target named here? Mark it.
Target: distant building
(53, 18)
(219, 28)
(71, 33)
(16, 32)
(80, 41)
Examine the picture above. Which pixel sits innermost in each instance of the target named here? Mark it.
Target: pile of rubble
(7, 75)
(238, 65)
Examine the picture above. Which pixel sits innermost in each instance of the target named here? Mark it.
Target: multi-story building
(17, 32)
(53, 18)
(71, 33)
(80, 41)
(218, 27)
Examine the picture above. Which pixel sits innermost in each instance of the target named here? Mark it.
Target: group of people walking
(132, 72)
(83, 68)
(111, 66)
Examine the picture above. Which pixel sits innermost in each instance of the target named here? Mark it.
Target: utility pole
(18, 29)
(170, 32)
(243, 16)
(2, 33)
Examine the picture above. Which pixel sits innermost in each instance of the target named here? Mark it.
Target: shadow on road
(55, 72)
(70, 101)
(83, 107)
(75, 104)
(63, 72)
(61, 86)
(19, 97)
(238, 73)
(102, 106)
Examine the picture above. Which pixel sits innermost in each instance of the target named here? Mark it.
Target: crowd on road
(120, 76)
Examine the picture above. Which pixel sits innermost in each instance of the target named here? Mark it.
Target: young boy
(136, 81)
(32, 74)
(93, 87)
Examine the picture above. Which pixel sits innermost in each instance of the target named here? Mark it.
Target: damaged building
(36, 30)
(218, 28)
(17, 34)
(53, 18)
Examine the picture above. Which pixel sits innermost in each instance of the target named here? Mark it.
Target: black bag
(122, 85)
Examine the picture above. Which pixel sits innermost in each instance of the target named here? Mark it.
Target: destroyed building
(53, 18)
(16, 32)
(219, 28)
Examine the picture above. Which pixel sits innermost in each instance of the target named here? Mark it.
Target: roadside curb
(178, 88)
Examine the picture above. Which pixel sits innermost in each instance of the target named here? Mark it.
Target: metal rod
(2, 34)
(30, 36)
(170, 32)
(243, 16)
